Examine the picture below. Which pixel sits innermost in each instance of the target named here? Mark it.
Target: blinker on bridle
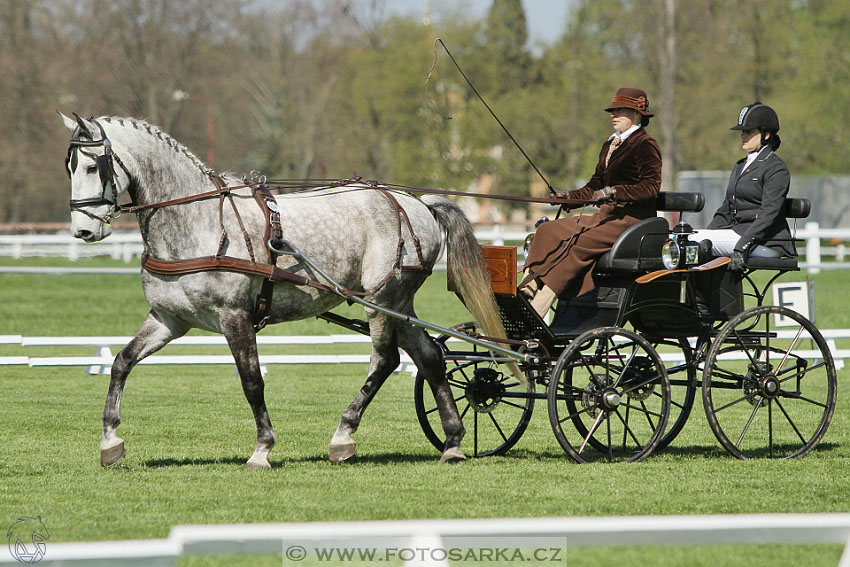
(106, 171)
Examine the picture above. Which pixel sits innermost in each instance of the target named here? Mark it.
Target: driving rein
(273, 237)
(277, 246)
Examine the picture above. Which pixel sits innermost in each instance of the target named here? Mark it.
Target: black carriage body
(675, 306)
(678, 305)
(612, 397)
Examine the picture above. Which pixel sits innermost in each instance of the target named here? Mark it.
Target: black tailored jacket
(753, 206)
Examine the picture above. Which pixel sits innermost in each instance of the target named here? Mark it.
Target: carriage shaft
(442, 330)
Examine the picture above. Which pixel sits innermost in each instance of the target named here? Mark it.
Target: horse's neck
(174, 231)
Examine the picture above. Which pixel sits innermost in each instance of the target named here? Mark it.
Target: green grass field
(189, 430)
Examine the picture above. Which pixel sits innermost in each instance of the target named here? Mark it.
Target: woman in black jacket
(750, 222)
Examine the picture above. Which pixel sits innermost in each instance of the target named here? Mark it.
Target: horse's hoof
(341, 452)
(452, 455)
(112, 455)
(257, 464)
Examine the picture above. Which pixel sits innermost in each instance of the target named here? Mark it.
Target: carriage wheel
(609, 397)
(768, 391)
(683, 390)
(494, 406)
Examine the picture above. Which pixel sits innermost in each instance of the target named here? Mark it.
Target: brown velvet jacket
(564, 262)
(634, 171)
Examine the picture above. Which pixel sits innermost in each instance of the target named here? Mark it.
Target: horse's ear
(70, 124)
(84, 127)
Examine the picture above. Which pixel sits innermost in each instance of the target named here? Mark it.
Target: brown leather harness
(275, 244)
(273, 236)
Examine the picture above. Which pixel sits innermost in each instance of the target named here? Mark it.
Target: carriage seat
(639, 247)
(794, 208)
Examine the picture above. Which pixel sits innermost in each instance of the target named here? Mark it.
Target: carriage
(619, 368)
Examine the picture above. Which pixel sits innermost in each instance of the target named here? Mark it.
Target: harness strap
(223, 238)
(224, 193)
(200, 196)
(402, 215)
(263, 304)
(274, 230)
(229, 264)
(273, 237)
(398, 266)
(245, 234)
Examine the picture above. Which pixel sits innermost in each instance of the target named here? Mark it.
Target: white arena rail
(120, 246)
(127, 245)
(427, 540)
(101, 361)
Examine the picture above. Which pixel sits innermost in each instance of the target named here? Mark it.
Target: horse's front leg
(152, 336)
(239, 332)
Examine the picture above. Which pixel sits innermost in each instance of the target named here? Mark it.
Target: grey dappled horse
(351, 233)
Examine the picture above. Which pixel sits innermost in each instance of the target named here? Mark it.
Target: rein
(307, 184)
(277, 246)
(273, 237)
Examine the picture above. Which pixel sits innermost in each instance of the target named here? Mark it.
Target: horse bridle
(106, 171)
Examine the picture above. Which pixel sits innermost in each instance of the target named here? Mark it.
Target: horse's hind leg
(239, 332)
(384, 360)
(152, 336)
(429, 360)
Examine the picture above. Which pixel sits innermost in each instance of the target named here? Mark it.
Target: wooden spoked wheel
(495, 407)
(609, 397)
(769, 391)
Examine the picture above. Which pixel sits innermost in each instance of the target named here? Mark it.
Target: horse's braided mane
(162, 136)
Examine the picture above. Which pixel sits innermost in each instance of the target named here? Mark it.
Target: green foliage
(324, 89)
(505, 39)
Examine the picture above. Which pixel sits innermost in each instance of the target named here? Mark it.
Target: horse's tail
(469, 270)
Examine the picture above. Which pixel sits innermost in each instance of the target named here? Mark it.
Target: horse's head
(95, 184)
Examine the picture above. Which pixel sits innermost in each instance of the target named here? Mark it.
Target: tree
(667, 94)
(25, 31)
(817, 86)
(506, 35)
(323, 88)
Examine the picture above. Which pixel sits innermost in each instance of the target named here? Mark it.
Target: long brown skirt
(564, 251)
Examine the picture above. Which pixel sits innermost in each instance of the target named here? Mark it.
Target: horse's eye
(91, 169)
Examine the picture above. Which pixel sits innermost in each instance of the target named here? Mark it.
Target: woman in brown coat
(627, 179)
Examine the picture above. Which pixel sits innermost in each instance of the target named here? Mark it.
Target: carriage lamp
(527, 244)
(679, 251)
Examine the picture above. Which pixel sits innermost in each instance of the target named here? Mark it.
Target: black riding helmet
(758, 116)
